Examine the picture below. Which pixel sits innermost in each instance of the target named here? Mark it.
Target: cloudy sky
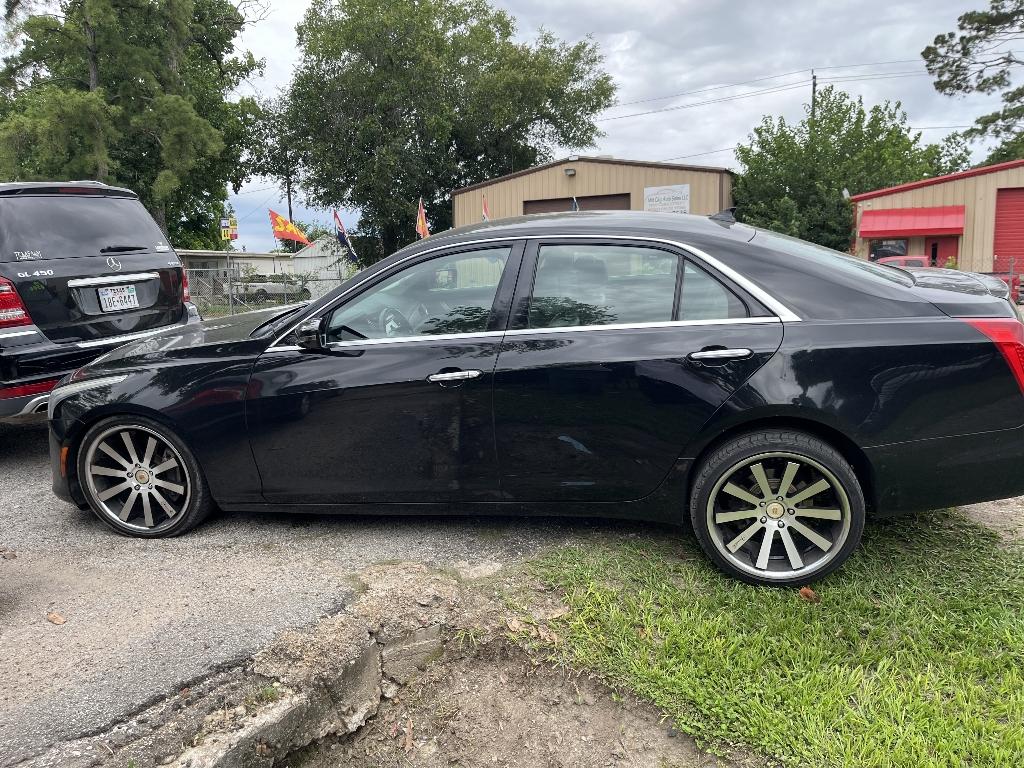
(660, 52)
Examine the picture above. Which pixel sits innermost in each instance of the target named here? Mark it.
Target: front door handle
(442, 378)
(713, 355)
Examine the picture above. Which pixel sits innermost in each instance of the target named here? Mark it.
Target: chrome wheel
(136, 478)
(778, 516)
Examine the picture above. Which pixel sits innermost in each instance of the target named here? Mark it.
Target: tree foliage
(134, 94)
(394, 100)
(793, 175)
(979, 57)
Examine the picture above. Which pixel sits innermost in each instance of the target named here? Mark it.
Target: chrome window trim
(531, 332)
(642, 326)
(13, 334)
(782, 312)
(85, 282)
(123, 339)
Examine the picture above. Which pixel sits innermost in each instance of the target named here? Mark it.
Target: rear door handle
(452, 376)
(720, 354)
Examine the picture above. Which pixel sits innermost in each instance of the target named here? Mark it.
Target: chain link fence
(219, 292)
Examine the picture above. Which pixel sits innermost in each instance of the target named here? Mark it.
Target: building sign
(229, 229)
(671, 199)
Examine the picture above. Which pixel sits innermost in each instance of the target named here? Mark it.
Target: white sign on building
(671, 199)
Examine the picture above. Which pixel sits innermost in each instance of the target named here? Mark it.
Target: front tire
(777, 507)
(141, 479)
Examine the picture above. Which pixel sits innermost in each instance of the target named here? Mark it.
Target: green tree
(400, 99)
(979, 58)
(134, 94)
(793, 175)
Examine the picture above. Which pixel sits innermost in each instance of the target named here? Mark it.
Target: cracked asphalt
(145, 617)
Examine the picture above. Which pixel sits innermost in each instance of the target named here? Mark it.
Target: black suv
(83, 269)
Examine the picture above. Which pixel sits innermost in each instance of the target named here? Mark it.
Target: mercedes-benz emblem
(113, 263)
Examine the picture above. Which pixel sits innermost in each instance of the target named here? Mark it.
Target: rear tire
(141, 479)
(777, 507)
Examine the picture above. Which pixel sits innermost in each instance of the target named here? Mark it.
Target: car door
(396, 407)
(617, 353)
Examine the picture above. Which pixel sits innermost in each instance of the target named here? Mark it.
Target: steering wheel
(394, 323)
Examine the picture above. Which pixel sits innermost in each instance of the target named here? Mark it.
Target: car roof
(52, 187)
(673, 226)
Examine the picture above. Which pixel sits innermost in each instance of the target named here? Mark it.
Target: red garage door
(1009, 240)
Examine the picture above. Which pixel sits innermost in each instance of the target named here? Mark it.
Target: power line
(762, 92)
(736, 146)
(762, 79)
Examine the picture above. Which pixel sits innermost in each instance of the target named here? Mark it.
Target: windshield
(39, 227)
(833, 259)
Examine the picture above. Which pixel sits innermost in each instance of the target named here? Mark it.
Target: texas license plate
(118, 298)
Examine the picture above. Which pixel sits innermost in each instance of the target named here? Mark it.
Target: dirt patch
(498, 706)
(1004, 516)
(425, 668)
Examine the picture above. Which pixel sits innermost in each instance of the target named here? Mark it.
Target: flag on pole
(342, 235)
(421, 222)
(285, 230)
(485, 211)
(575, 206)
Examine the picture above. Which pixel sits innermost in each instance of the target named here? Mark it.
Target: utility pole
(814, 95)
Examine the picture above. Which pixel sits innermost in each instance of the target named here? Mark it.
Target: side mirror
(308, 335)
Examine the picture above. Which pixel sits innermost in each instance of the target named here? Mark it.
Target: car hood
(197, 339)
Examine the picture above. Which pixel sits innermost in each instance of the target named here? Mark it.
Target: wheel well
(850, 450)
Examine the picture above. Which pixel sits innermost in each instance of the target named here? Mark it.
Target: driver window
(447, 294)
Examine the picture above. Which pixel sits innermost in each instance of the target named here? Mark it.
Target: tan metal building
(597, 183)
(975, 217)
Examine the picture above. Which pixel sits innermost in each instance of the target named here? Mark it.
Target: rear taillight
(185, 295)
(1008, 335)
(24, 390)
(12, 310)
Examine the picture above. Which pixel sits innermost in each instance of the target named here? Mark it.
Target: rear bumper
(949, 471)
(31, 358)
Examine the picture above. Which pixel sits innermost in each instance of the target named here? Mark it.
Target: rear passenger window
(704, 298)
(602, 284)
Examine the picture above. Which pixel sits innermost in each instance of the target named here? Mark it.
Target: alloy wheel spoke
(148, 455)
(811, 490)
(126, 510)
(114, 455)
(130, 446)
(95, 469)
(114, 490)
(147, 510)
(171, 512)
(787, 477)
(169, 464)
(742, 539)
(730, 517)
(766, 548)
(813, 536)
(734, 490)
(795, 561)
(757, 470)
(820, 514)
(173, 487)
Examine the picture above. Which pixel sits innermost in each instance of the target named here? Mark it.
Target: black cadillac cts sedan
(618, 364)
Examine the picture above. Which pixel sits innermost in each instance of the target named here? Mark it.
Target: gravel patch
(143, 618)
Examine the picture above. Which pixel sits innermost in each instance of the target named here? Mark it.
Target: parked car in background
(904, 261)
(260, 288)
(769, 391)
(83, 268)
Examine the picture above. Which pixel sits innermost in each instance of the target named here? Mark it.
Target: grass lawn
(913, 657)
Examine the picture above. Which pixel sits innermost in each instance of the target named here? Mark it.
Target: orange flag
(421, 222)
(285, 230)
